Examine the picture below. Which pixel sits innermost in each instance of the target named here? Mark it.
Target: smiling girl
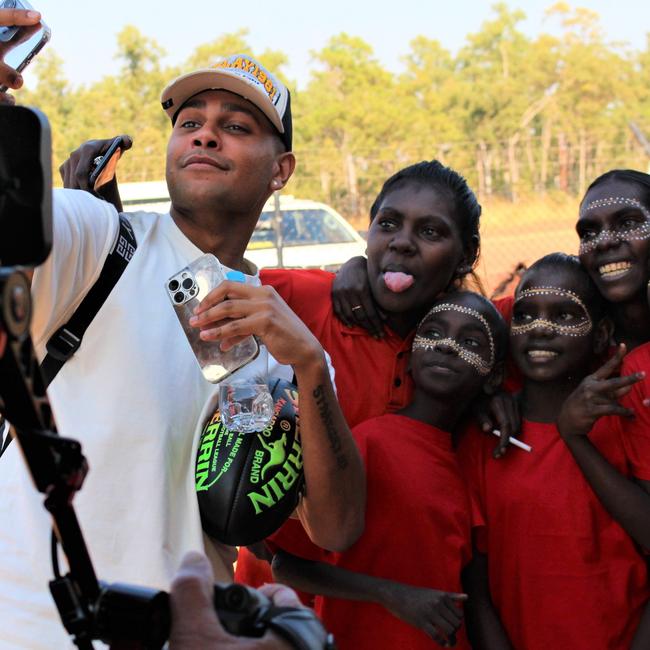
(614, 231)
(563, 569)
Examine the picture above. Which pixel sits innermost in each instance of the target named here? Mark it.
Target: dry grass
(522, 232)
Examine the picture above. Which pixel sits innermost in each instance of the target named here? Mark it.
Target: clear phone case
(186, 289)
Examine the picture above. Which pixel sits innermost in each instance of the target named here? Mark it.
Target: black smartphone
(20, 44)
(104, 169)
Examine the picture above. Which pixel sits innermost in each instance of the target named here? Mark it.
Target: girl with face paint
(562, 521)
(614, 231)
(400, 585)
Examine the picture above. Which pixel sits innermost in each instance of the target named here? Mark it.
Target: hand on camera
(194, 621)
(8, 76)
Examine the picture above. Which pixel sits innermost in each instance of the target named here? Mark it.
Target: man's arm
(437, 613)
(334, 473)
(332, 510)
(84, 232)
(484, 627)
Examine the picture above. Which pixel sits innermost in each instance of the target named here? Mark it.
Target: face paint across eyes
(640, 232)
(473, 358)
(580, 329)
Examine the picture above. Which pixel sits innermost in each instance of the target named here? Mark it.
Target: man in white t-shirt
(133, 393)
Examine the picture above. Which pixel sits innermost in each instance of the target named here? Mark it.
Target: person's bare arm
(332, 510)
(437, 613)
(626, 500)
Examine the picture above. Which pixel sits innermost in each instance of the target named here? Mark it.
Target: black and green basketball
(248, 484)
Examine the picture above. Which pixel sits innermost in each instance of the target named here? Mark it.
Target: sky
(84, 31)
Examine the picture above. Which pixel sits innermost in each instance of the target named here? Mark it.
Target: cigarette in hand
(514, 441)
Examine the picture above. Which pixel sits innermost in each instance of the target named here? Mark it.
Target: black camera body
(25, 186)
(240, 609)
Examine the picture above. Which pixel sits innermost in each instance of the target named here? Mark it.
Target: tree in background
(519, 116)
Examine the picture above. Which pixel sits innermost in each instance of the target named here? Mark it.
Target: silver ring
(97, 160)
(357, 307)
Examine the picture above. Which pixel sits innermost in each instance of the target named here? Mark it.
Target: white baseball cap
(240, 74)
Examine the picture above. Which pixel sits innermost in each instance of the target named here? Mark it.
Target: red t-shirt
(636, 432)
(563, 573)
(418, 530)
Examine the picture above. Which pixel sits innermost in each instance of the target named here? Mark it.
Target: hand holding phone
(22, 35)
(186, 289)
(104, 166)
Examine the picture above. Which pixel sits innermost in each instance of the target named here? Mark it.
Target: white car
(314, 235)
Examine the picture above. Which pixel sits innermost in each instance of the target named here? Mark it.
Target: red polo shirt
(371, 375)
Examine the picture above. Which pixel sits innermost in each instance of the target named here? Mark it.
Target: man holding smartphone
(8, 76)
(133, 393)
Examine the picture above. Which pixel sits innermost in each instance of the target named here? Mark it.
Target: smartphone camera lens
(173, 285)
(179, 297)
(187, 283)
(192, 292)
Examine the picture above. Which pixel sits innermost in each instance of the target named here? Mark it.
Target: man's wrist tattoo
(327, 419)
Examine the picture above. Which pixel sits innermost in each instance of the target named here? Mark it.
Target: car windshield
(300, 228)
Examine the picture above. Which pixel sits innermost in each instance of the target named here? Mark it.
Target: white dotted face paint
(619, 234)
(472, 358)
(579, 329)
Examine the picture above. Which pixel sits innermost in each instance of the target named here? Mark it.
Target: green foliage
(517, 115)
